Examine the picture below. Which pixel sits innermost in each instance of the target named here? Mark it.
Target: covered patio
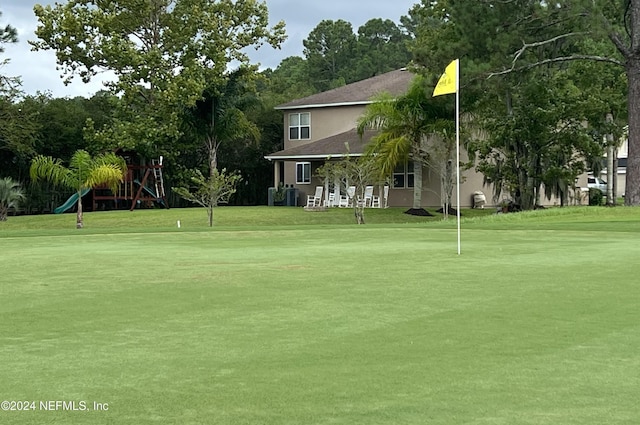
(296, 167)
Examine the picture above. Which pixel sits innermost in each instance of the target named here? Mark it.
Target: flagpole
(458, 146)
(448, 83)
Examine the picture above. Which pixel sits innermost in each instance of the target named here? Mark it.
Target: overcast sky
(38, 69)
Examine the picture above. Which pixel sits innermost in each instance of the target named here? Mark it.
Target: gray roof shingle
(334, 146)
(361, 92)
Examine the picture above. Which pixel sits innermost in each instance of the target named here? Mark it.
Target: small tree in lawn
(210, 191)
(10, 196)
(357, 172)
(84, 172)
(360, 172)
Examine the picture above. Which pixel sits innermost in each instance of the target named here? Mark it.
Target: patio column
(276, 173)
(326, 191)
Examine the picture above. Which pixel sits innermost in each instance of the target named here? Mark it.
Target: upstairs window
(299, 126)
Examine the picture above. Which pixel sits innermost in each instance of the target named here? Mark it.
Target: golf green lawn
(280, 316)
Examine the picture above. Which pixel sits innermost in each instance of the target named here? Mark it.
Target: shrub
(595, 196)
(10, 196)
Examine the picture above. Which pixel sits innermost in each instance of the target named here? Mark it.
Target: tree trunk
(210, 215)
(632, 191)
(610, 171)
(79, 218)
(447, 187)
(359, 203)
(212, 140)
(4, 212)
(610, 175)
(538, 191)
(528, 194)
(212, 148)
(358, 211)
(524, 192)
(417, 184)
(615, 175)
(632, 56)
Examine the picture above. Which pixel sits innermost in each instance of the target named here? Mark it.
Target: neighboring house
(317, 127)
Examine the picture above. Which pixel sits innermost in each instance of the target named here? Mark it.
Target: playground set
(142, 187)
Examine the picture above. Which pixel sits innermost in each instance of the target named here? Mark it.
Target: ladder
(157, 176)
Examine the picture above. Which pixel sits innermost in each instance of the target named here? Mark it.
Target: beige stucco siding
(325, 122)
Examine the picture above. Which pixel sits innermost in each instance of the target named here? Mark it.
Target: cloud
(38, 69)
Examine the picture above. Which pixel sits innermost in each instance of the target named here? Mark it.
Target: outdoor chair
(315, 200)
(346, 201)
(367, 200)
(375, 201)
(330, 201)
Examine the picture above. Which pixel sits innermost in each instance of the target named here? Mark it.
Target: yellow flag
(448, 82)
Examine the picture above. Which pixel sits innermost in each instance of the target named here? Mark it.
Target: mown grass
(224, 217)
(280, 316)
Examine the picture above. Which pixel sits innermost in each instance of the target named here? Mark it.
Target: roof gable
(394, 82)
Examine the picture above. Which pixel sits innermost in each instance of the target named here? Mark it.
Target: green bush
(595, 196)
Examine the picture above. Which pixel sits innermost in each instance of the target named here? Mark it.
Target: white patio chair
(375, 201)
(346, 201)
(330, 201)
(315, 200)
(367, 198)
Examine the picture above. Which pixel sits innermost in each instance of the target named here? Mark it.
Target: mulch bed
(452, 211)
(418, 211)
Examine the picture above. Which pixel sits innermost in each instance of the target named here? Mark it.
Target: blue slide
(149, 192)
(73, 199)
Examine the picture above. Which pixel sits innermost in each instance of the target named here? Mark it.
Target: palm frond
(377, 114)
(81, 164)
(52, 170)
(108, 174)
(81, 159)
(390, 150)
(111, 158)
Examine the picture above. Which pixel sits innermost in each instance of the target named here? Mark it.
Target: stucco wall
(325, 122)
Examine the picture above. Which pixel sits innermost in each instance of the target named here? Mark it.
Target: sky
(38, 69)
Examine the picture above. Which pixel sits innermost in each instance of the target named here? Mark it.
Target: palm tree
(220, 116)
(407, 124)
(84, 172)
(10, 196)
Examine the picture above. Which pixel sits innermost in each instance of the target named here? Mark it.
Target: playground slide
(149, 192)
(73, 199)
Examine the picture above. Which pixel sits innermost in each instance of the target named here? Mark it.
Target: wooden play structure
(143, 186)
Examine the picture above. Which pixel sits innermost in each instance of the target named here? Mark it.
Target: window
(303, 172)
(299, 126)
(403, 176)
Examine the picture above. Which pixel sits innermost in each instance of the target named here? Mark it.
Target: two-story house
(318, 126)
